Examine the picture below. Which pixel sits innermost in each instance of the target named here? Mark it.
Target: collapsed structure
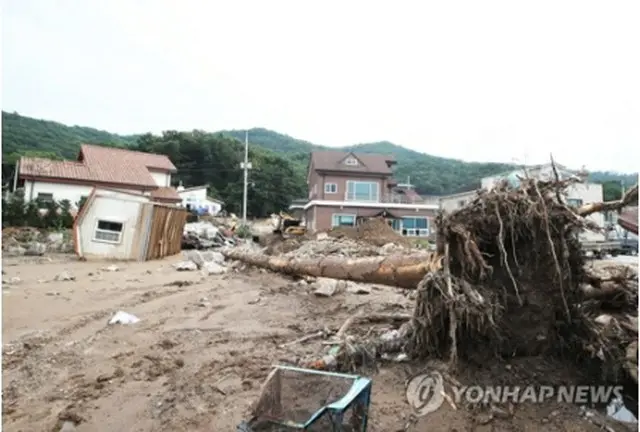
(508, 279)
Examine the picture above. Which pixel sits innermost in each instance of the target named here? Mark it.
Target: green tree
(65, 219)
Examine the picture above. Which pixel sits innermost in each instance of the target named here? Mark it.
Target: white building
(96, 166)
(196, 198)
(127, 226)
(576, 195)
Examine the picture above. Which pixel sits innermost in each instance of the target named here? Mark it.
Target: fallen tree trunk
(404, 271)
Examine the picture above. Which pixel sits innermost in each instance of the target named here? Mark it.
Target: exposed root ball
(515, 286)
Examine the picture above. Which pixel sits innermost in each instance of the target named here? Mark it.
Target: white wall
(453, 202)
(542, 173)
(161, 179)
(198, 197)
(60, 191)
(114, 207)
(588, 193)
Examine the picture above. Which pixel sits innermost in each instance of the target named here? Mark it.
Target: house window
(108, 231)
(362, 191)
(330, 188)
(351, 161)
(343, 220)
(44, 198)
(415, 226)
(574, 202)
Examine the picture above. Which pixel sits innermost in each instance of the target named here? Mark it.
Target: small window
(45, 197)
(338, 220)
(108, 231)
(330, 188)
(574, 202)
(351, 161)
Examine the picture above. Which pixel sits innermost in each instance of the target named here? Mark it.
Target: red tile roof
(165, 193)
(101, 164)
(369, 163)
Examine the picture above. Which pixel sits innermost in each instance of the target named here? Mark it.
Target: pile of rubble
(206, 235)
(210, 262)
(19, 241)
(375, 231)
(325, 245)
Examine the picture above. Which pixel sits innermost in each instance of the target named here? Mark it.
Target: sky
(504, 81)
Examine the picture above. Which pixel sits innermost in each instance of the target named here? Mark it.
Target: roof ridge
(122, 149)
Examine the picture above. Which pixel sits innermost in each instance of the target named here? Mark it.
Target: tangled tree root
(513, 284)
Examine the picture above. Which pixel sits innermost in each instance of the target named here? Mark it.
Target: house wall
(319, 180)
(60, 191)
(199, 197)
(162, 179)
(454, 202)
(541, 173)
(321, 216)
(115, 207)
(588, 193)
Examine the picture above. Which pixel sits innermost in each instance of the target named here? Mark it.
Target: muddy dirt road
(196, 359)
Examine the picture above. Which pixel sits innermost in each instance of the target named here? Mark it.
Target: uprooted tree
(508, 279)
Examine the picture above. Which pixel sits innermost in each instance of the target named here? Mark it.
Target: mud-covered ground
(198, 356)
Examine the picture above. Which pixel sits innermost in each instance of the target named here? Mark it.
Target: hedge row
(54, 215)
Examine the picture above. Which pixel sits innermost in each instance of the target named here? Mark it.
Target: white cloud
(486, 81)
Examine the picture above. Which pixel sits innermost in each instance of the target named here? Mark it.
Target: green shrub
(49, 215)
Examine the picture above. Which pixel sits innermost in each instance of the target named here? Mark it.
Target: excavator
(288, 226)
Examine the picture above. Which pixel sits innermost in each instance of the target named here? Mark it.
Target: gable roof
(165, 193)
(100, 164)
(331, 160)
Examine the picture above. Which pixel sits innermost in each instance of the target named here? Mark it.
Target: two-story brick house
(345, 188)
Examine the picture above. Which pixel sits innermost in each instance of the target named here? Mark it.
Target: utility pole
(246, 166)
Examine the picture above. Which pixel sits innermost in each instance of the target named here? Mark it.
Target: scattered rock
(68, 426)
(14, 280)
(326, 287)
(123, 318)
(36, 249)
(186, 266)
(356, 288)
(65, 276)
(111, 268)
(15, 251)
(55, 237)
(212, 268)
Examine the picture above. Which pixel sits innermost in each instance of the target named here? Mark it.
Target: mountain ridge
(429, 173)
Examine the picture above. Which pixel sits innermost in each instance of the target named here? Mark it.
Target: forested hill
(198, 154)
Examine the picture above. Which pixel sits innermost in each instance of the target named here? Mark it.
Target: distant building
(196, 198)
(346, 187)
(97, 166)
(576, 195)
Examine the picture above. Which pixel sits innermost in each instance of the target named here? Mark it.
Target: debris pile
(374, 231)
(210, 262)
(18, 241)
(508, 280)
(206, 235)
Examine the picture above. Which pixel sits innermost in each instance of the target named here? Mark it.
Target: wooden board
(165, 236)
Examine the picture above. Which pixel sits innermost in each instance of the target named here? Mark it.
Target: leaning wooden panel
(156, 224)
(145, 237)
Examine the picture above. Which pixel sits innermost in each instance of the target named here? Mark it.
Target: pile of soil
(374, 231)
(514, 284)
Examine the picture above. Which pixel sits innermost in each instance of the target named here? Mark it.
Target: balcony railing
(389, 199)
